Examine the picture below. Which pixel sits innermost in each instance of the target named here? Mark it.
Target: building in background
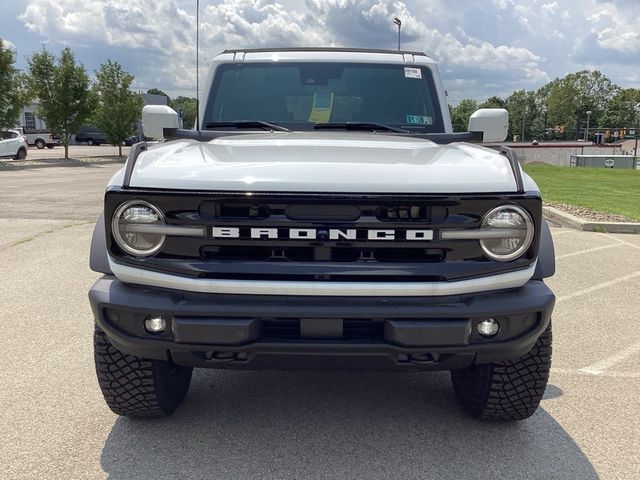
(28, 118)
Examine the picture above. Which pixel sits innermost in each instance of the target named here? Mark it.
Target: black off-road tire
(509, 390)
(138, 387)
(40, 144)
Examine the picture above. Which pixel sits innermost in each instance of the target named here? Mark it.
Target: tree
(188, 106)
(62, 87)
(568, 99)
(621, 110)
(14, 92)
(460, 114)
(493, 102)
(523, 114)
(157, 91)
(118, 108)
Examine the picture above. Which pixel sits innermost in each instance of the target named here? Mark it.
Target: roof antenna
(198, 65)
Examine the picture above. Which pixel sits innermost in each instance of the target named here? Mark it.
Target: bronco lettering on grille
(321, 234)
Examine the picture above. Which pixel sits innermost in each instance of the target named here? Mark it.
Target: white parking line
(606, 374)
(589, 250)
(598, 287)
(599, 367)
(624, 242)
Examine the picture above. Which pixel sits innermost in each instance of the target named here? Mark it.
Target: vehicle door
(14, 142)
(5, 143)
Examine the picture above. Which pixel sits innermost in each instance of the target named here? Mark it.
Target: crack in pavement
(40, 234)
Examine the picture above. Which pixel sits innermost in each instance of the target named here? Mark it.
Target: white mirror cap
(492, 122)
(155, 118)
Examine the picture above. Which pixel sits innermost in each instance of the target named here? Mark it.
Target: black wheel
(138, 387)
(509, 390)
(40, 144)
(90, 142)
(21, 154)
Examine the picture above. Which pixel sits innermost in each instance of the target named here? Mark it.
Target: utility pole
(524, 120)
(398, 22)
(635, 150)
(586, 132)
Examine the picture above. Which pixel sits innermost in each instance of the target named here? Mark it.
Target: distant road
(75, 151)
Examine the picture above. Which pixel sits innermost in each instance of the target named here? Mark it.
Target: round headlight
(509, 233)
(134, 228)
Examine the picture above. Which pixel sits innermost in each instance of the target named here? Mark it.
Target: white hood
(346, 162)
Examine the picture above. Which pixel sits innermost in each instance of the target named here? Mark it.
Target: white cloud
(484, 48)
(7, 44)
(615, 29)
(550, 8)
(163, 32)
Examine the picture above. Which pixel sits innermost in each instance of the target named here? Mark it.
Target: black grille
(326, 254)
(322, 218)
(228, 210)
(324, 257)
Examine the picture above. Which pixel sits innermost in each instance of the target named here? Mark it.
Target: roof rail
(323, 49)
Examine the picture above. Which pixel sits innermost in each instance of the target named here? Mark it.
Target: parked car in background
(13, 144)
(90, 135)
(40, 137)
(131, 140)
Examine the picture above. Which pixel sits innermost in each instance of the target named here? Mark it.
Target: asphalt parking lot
(245, 425)
(75, 151)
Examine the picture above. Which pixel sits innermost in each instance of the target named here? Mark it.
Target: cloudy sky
(485, 47)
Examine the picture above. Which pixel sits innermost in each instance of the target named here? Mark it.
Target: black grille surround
(322, 259)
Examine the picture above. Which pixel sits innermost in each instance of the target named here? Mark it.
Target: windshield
(299, 95)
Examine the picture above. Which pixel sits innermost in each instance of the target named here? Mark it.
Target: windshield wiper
(247, 124)
(358, 126)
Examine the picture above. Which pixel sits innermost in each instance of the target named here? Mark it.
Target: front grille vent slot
(323, 254)
(233, 211)
(412, 213)
(353, 329)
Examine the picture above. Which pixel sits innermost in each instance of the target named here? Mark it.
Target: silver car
(13, 144)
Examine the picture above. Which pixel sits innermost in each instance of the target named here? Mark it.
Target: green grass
(601, 189)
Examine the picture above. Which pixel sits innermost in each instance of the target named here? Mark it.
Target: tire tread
(508, 390)
(137, 387)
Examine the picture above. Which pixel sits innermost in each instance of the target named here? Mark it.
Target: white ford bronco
(323, 215)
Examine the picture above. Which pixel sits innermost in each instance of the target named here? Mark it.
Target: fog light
(488, 327)
(155, 324)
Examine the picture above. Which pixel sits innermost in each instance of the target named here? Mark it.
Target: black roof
(323, 49)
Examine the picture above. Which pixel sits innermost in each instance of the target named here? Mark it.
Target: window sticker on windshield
(412, 72)
(322, 106)
(419, 120)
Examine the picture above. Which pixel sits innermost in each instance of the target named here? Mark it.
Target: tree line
(561, 109)
(67, 99)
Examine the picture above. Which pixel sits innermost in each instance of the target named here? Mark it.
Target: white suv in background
(13, 144)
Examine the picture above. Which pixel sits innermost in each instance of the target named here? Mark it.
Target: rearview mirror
(492, 122)
(155, 118)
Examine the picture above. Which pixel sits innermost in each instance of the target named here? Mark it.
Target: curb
(577, 223)
(57, 162)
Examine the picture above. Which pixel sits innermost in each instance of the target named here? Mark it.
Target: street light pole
(198, 65)
(635, 150)
(586, 133)
(398, 22)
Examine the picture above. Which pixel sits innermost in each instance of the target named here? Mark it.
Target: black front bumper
(352, 333)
